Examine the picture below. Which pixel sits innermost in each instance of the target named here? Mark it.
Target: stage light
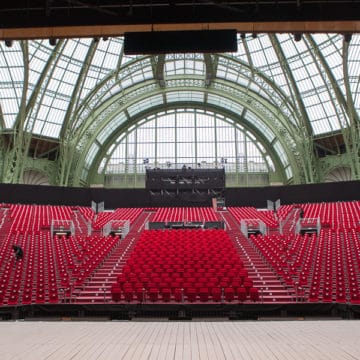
(254, 35)
(52, 41)
(8, 43)
(297, 37)
(347, 37)
(243, 35)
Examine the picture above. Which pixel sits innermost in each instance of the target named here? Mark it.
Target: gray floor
(331, 339)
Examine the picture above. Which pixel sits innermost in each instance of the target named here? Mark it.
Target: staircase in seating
(80, 223)
(271, 289)
(98, 287)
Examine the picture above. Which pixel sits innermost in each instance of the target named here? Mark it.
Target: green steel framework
(103, 111)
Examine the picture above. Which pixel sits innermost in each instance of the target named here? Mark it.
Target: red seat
(178, 295)
(254, 294)
(40, 298)
(191, 294)
(229, 294)
(314, 295)
(241, 294)
(204, 294)
(128, 294)
(166, 294)
(216, 294)
(153, 294)
(53, 297)
(340, 297)
(327, 296)
(140, 293)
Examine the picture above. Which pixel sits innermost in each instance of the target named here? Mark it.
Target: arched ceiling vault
(246, 100)
(83, 91)
(120, 132)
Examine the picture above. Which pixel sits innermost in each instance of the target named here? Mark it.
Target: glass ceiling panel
(265, 60)
(91, 154)
(176, 96)
(11, 81)
(192, 144)
(354, 69)
(311, 80)
(236, 72)
(315, 88)
(281, 152)
(145, 104)
(111, 127)
(264, 129)
(331, 50)
(128, 58)
(184, 64)
(226, 103)
(241, 52)
(259, 57)
(290, 47)
(226, 70)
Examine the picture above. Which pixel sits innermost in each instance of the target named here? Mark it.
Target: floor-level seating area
(321, 268)
(51, 268)
(181, 265)
(184, 266)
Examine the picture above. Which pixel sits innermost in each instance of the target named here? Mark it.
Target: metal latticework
(269, 113)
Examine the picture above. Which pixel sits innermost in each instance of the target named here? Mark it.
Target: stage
(179, 311)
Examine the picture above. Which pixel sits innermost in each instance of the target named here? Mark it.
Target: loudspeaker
(162, 42)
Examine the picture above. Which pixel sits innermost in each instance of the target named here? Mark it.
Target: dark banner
(113, 198)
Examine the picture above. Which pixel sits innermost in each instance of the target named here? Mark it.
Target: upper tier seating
(266, 216)
(87, 212)
(119, 214)
(33, 218)
(344, 215)
(184, 265)
(185, 214)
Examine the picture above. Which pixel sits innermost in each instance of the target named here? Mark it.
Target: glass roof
(70, 82)
(186, 136)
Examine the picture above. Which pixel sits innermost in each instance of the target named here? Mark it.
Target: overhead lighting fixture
(254, 35)
(52, 41)
(347, 37)
(8, 43)
(243, 35)
(297, 37)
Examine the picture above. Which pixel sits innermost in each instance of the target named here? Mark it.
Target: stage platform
(180, 311)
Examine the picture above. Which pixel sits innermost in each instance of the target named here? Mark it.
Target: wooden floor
(329, 339)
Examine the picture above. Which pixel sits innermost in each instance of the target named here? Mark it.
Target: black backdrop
(54, 195)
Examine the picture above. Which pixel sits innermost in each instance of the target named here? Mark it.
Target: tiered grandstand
(180, 266)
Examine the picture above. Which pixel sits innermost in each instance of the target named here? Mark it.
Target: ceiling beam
(119, 30)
